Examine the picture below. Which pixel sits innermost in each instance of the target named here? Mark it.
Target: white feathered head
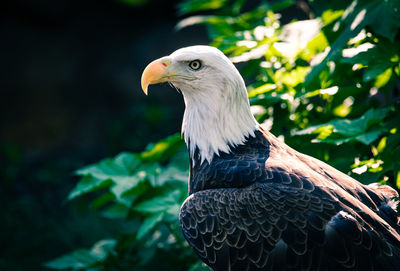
(217, 114)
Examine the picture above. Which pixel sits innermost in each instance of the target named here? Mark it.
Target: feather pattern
(257, 204)
(264, 206)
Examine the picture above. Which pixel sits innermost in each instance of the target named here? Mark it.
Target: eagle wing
(297, 218)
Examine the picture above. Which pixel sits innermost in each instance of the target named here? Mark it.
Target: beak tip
(154, 73)
(145, 88)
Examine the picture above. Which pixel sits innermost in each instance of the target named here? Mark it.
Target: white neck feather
(216, 119)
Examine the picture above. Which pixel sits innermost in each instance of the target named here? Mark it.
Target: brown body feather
(265, 206)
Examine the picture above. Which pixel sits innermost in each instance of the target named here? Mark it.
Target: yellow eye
(195, 64)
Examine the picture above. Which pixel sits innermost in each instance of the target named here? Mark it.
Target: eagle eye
(195, 64)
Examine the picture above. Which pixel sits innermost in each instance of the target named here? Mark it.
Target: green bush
(329, 86)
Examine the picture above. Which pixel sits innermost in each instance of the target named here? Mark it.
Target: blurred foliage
(328, 85)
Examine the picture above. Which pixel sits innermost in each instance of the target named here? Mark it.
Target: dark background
(70, 95)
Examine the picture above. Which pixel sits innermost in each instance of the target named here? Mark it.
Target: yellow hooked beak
(155, 72)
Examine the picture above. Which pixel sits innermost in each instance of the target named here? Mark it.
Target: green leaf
(190, 6)
(199, 266)
(82, 258)
(171, 173)
(120, 166)
(383, 16)
(327, 91)
(386, 16)
(369, 137)
(126, 171)
(122, 173)
(282, 4)
(295, 76)
(156, 204)
(116, 211)
(376, 59)
(316, 129)
(204, 19)
(341, 131)
(163, 150)
(366, 138)
(317, 45)
(330, 16)
(374, 116)
(102, 200)
(103, 248)
(355, 18)
(398, 179)
(148, 224)
(181, 159)
(124, 184)
(347, 67)
(382, 79)
(135, 3)
(89, 184)
(261, 90)
(77, 260)
(173, 211)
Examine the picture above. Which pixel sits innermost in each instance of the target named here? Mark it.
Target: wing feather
(287, 211)
(220, 223)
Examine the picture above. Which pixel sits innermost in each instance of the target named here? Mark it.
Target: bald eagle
(255, 203)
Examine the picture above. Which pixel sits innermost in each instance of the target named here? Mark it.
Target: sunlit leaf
(341, 110)
(355, 19)
(295, 36)
(330, 16)
(294, 77)
(317, 45)
(398, 179)
(204, 19)
(163, 150)
(190, 6)
(349, 130)
(378, 59)
(262, 89)
(383, 78)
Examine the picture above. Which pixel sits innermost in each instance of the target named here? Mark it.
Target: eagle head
(217, 115)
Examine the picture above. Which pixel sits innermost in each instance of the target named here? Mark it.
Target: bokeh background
(70, 95)
(70, 84)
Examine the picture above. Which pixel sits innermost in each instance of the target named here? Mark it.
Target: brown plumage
(266, 206)
(255, 203)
